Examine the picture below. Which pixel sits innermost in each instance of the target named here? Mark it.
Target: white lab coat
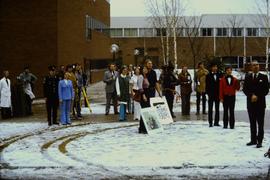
(5, 93)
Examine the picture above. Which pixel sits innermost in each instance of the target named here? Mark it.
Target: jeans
(123, 115)
(65, 112)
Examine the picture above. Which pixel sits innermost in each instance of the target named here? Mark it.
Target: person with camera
(28, 79)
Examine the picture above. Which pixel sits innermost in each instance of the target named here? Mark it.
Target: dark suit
(50, 88)
(212, 90)
(256, 110)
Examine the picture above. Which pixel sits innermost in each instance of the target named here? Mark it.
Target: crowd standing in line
(134, 87)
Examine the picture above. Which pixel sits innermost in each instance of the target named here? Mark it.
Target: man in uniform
(50, 87)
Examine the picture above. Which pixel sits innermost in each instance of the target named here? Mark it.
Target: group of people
(62, 86)
(65, 87)
(27, 79)
(132, 88)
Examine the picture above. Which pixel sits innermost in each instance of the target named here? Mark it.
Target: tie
(255, 76)
(7, 81)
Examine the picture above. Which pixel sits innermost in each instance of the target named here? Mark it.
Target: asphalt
(40, 116)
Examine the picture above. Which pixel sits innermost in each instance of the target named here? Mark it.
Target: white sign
(151, 120)
(162, 108)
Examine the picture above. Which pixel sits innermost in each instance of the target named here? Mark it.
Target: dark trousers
(169, 95)
(28, 105)
(198, 101)
(256, 116)
(52, 106)
(211, 102)
(78, 102)
(144, 104)
(185, 104)
(111, 97)
(228, 106)
(5, 113)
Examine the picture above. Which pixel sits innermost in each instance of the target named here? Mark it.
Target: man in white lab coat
(5, 96)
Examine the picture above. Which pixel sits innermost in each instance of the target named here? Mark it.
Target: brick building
(236, 39)
(43, 32)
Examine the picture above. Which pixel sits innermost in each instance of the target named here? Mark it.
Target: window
(237, 32)
(207, 32)
(192, 32)
(265, 32)
(161, 30)
(93, 24)
(222, 32)
(180, 32)
(116, 33)
(252, 32)
(146, 32)
(130, 32)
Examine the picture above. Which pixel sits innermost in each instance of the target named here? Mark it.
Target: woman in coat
(5, 96)
(66, 95)
(122, 89)
(185, 83)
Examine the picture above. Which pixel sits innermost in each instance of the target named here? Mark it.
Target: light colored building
(235, 38)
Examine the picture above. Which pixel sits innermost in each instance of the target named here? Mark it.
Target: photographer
(28, 79)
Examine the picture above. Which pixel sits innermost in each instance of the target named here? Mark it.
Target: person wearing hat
(50, 89)
(28, 79)
(212, 90)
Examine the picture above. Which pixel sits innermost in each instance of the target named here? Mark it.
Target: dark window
(207, 32)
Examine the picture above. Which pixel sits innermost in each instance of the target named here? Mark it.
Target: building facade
(236, 39)
(52, 32)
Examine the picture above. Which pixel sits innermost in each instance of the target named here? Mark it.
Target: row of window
(93, 24)
(151, 32)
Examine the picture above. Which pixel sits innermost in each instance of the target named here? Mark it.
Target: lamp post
(267, 39)
(136, 53)
(114, 50)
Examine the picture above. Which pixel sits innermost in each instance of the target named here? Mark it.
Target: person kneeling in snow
(122, 89)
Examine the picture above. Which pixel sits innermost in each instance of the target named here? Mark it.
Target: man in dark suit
(212, 90)
(256, 87)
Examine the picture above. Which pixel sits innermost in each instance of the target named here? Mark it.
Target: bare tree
(192, 25)
(165, 15)
(228, 40)
(262, 20)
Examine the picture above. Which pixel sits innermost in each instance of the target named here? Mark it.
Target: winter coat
(185, 83)
(200, 80)
(122, 89)
(5, 93)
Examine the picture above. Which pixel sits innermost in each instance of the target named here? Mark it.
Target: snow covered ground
(184, 150)
(115, 150)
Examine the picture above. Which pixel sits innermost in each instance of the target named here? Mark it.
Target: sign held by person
(162, 108)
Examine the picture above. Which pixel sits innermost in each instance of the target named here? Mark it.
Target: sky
(193, 7)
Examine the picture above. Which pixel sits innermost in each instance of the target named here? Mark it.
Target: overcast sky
(137, 7)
